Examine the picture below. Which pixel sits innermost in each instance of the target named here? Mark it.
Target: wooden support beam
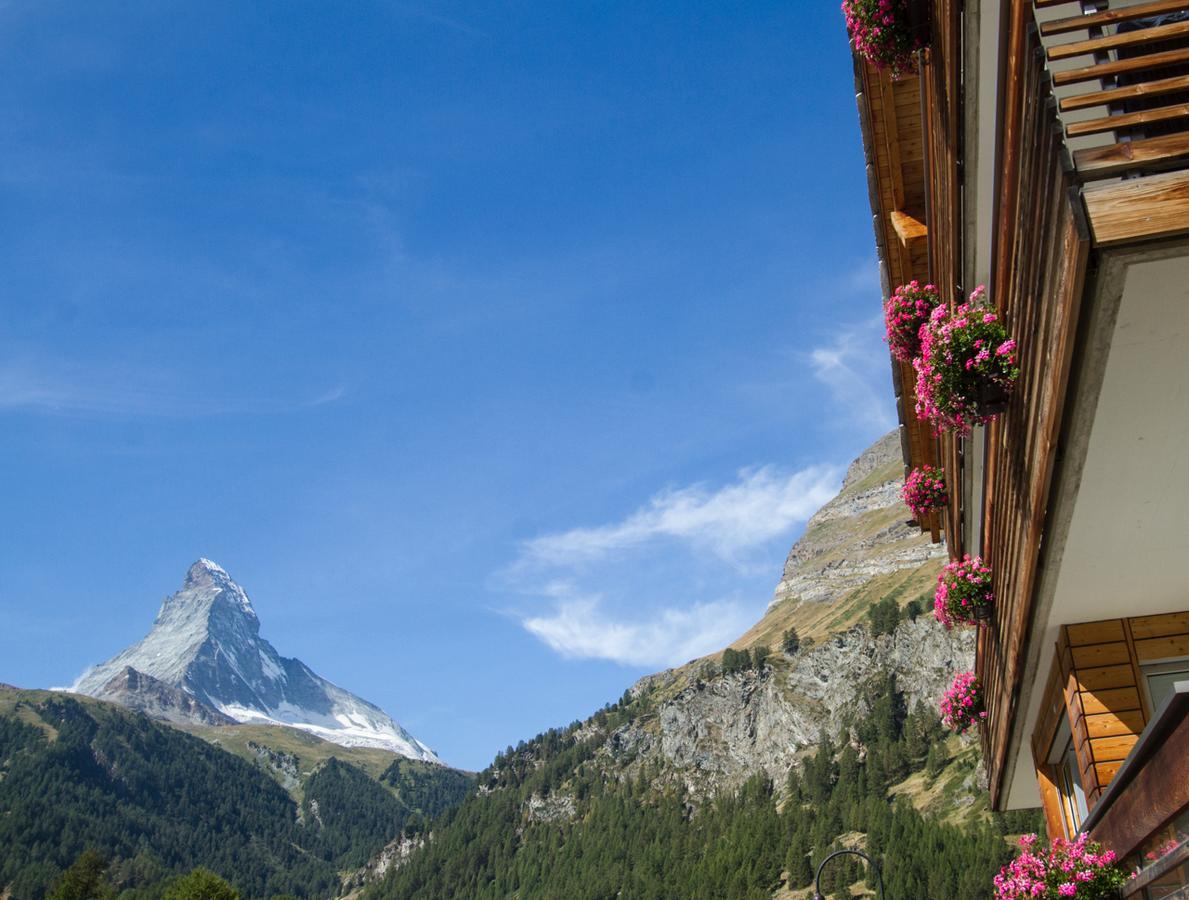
(907, 228)
(1129, 120)
(1115, 41)
(1153, 206)
(1131, 155)
(1121, 67)
(1112, 16)
(1130, 92)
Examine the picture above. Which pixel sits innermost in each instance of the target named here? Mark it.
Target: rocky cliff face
(860, 534)
(711, 731)
(204, 662)
(714, 732)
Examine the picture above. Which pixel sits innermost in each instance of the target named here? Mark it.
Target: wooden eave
(893, 143)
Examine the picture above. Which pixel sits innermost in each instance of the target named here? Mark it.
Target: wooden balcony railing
(1121, 74)
(1041, 245)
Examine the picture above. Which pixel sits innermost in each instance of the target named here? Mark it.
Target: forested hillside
(554, 818)
(78, 775)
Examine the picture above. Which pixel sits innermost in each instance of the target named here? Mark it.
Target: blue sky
(500, 350)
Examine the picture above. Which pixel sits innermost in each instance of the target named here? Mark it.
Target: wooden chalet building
(1043, 150)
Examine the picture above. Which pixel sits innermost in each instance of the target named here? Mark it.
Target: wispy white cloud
(761, 504)
(120, 390)
(580, 627)
(649, 589)
(856, 372)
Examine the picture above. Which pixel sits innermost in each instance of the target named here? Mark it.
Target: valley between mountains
(202, 746)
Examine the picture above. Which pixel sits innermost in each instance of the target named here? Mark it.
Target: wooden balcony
(1092, 155)
(1119, 73)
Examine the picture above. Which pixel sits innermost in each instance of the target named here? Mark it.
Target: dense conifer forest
(153, 803)
(642, 836)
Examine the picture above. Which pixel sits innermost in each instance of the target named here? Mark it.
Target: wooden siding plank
(1111, 700)
(1115, 41)
(1090, 680)
(1095, 632)
(1158, 626)
(1106, 771)
(1155, 205)
(1100, 655)
(1111, 725)
(1121, 67)
(1103, 162)
(1111, 16)
(1170, 647)
(1154, 793)
(1111, 749)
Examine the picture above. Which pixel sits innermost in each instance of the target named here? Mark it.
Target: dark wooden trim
(1151, 786)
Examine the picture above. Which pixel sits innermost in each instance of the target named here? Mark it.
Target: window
(1157, 847)
(1068, 777)
(1160, 680)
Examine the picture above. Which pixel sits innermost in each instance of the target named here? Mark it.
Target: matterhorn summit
(203, 661)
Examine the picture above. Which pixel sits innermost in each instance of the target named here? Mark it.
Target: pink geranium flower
(962, 353)
(904, 313)
(1078, 868)
(924, 490)
(963, 590)
(962, 705)
(879, 32)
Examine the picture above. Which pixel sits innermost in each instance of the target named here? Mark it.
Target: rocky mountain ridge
(204, 662)
(711, 731)
(861, 534)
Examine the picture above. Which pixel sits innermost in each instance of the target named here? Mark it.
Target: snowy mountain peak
(205, 643)
(207, 570)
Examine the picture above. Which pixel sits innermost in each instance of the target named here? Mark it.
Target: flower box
(964, 595)
(967, 366)
(962, 706)
(887, 33)
(1078, 869)
(924, 491)
(905, 313)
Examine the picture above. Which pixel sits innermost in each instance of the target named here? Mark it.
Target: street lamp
(817, 878)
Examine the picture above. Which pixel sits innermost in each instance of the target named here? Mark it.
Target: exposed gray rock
(860, 534)
(715, 734)
(283, 765)
(557, 807)
(159, 700)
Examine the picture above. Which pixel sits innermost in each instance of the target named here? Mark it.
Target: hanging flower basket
(962, 706)
(886, 32)
(967, 367)
(904, 313)
(964, 595)
(924, 490)
(1080, 869)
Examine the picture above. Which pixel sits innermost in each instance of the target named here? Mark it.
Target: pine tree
(85, 879)
(790, 642)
